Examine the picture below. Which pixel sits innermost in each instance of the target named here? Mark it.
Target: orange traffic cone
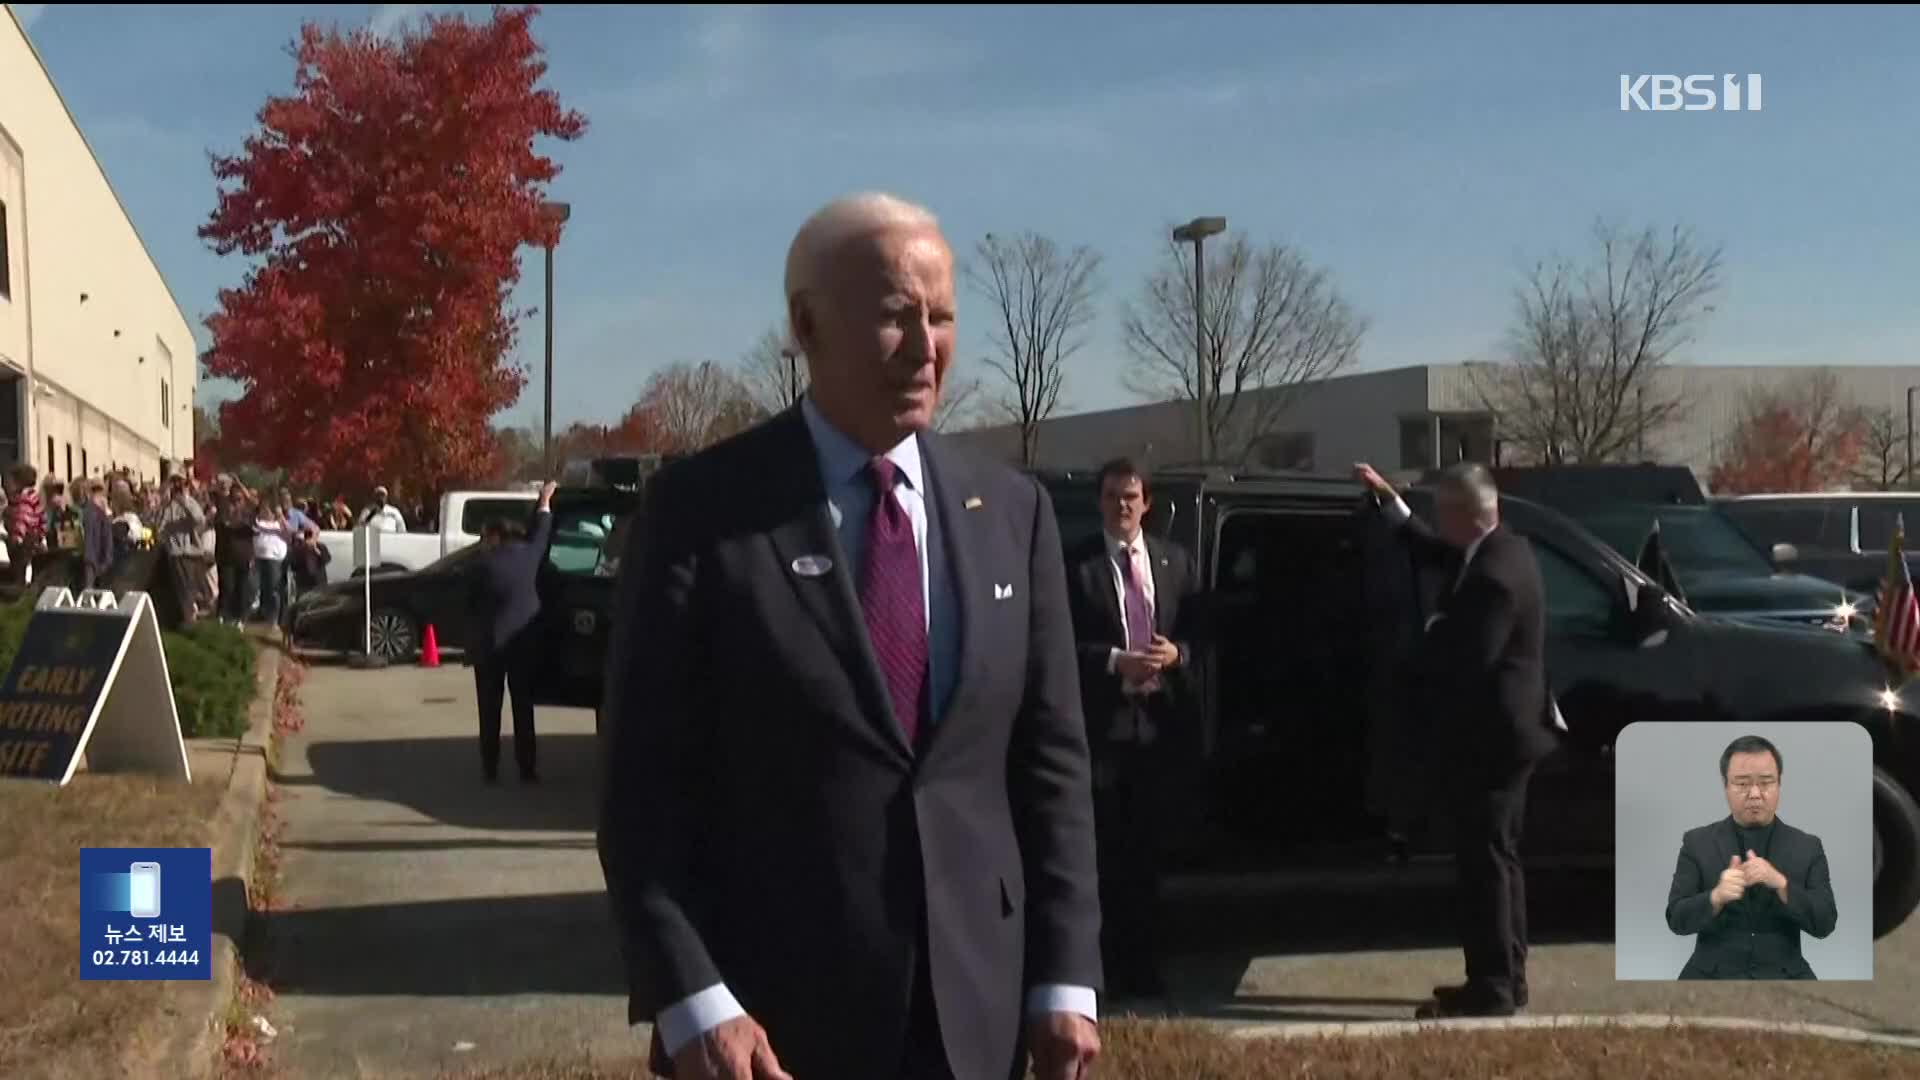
(430, 650)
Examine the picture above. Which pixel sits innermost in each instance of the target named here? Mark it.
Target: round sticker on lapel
(812, 565)
(584, 622)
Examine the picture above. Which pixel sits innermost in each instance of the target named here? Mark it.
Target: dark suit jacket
(503, 597)
(1098, 629)
(1757, 936)
(1482, 664)
(764, 821)
(98, 538)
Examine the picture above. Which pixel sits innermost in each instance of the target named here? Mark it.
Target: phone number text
(144, 957)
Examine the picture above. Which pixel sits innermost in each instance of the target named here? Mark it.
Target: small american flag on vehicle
(1896, 619)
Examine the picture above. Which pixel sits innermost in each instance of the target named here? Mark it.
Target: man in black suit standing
(1481, 662)
(1132, 625)
(1750, 884)
(847, 825)
(502, 603)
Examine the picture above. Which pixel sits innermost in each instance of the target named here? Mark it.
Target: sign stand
(90, 681)
(366, 556)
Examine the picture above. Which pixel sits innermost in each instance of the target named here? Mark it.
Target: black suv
(1295, 606)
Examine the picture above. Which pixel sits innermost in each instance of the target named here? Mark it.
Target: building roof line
(104, 178)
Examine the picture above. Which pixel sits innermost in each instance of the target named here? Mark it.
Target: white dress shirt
(848, 497)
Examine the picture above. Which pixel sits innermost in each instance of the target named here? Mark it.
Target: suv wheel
(1896, 853)
(393, 635)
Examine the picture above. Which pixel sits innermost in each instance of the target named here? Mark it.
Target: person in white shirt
(270, 535)
(383, 515)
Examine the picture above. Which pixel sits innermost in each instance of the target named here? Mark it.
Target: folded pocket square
(1002, 592)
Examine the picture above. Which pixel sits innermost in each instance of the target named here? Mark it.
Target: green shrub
(210, 666)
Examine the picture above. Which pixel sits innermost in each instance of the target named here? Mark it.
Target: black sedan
(405, 603)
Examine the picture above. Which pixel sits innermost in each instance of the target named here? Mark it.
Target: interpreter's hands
(1761, 873)
(1064, 1045)
(735, 1050)
(1135, 667)
(1732, 885)
(1164, 652)
(1374, 482)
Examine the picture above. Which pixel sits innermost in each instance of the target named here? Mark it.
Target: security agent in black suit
(847, 825)
(1132, 624)
(1481, 663)
(1750, 884)
(502, 603)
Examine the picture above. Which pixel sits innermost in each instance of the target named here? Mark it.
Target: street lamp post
(1196, 233)
(558, 212)
(1906, 478)
(792, 357)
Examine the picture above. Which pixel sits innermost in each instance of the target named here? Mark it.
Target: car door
(576, 585)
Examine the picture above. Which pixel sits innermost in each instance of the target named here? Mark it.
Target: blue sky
(1425, 156)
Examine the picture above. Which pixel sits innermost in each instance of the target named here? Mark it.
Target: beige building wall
(96, 357)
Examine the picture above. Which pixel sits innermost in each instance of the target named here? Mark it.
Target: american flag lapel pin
(973, 502)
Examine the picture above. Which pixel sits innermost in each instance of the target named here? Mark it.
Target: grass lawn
(51, 1023)
(1160, 1050)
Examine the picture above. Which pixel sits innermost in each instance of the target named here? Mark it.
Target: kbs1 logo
(1689, 93)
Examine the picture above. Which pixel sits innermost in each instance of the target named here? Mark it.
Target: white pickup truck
(462, 515)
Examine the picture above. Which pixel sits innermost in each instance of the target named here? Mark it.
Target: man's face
(1123, 505)
(1753, 788)
(878, 331)
(1456, 517)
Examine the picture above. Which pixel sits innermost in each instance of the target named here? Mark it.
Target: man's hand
(546, 493)
(1164, 652)
(1732, 885)
(1064, 1045)
(1759, 872)
(1372, 480)
(736, 1050)
(1135, 668)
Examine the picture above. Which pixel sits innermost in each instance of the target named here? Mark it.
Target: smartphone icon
(143, 893)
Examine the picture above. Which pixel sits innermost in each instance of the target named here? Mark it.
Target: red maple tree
(1803, 437)
(388, 199)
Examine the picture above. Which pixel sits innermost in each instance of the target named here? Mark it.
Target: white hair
(844, 219)
(1475, 483)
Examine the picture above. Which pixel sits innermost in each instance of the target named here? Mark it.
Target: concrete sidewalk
(439, 923)
(436, 922)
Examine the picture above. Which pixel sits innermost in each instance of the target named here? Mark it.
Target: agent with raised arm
(503, 601)
(847, 820)
(1481, 665)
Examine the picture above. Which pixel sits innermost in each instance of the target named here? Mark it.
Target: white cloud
(388, 19)
(28, 14)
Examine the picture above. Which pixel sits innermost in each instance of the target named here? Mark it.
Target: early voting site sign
(90, 679)
(146, 914)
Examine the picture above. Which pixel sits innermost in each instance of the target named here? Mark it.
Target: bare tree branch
(1043, 301)
(961, 404)
(1883, 450)
(1805, 435)
(773, 371)
(693, 406)
(1273, 325)
(1582, 377)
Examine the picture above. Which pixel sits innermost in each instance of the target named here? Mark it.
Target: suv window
(1576, 599)
(1806, 523)
(579, 546)
(475, 513)
(1879, 517)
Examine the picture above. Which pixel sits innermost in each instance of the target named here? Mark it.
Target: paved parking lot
(441, 923)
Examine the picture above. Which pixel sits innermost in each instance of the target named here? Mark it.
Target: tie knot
(884, 474)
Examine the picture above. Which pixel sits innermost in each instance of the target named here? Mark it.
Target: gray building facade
(1407, 420)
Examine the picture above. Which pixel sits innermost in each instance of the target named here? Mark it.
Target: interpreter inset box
(1743, 852)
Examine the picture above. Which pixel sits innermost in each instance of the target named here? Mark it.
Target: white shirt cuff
(1053, 998)
(1113, 661)
(1397, 510)
(694, 1016)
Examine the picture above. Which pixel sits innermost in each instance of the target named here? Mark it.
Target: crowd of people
(237, 554)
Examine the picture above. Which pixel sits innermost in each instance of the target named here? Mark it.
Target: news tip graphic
(146, 914)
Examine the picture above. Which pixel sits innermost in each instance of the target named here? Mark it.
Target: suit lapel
(1096, 574)
(803, 537)
(1157, 564)
(961, 520)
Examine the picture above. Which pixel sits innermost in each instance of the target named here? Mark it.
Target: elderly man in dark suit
(1750, 884)
(847, 820)
(503, 600)
(1481, 662)
(1133, 621)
